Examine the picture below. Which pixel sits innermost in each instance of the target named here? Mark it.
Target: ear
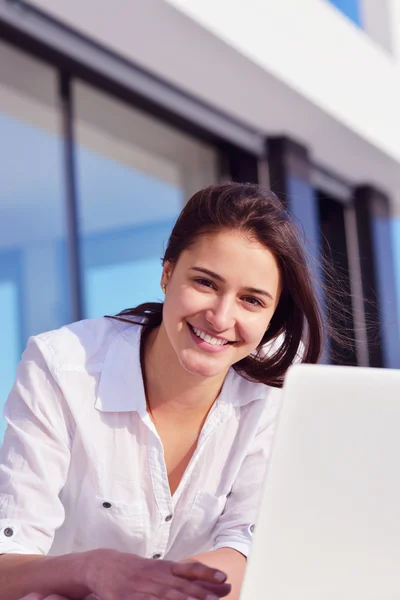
(166, 273)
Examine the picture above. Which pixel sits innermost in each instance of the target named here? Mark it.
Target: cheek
(188, 301)
(253, 331)
(180, 304)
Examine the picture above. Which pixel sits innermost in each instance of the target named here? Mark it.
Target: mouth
(213, 341)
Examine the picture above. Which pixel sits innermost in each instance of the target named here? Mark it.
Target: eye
(253, 301)
(205, 282)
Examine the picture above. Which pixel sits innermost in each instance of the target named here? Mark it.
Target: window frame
(75, 57)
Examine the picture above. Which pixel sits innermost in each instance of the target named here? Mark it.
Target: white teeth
(207, 338)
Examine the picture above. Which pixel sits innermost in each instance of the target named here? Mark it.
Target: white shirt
(82, 465)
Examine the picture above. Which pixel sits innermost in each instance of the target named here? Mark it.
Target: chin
(201, 367)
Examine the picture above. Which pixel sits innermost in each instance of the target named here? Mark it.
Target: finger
(218, 589)
(56, 597)
(144, 597)
(171, 588)
(196, 570)
(177, 588)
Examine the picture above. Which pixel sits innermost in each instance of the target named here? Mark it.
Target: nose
(222, 314)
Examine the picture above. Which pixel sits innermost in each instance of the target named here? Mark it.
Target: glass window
(385, 264)
(396, 251)
(304, 208)
(351, 8)
(33, 266)
(335, 250)
(134, 174)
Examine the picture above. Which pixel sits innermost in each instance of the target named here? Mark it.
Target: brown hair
(298, 319)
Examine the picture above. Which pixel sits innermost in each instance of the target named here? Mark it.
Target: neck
(169, 387)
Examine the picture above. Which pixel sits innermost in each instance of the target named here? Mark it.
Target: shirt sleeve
(235, 527)
(34, 457)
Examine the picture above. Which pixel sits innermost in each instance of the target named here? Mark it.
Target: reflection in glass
(303, 206)
(134, 174)
(34, 293)
(10, 337)
(386, 290)
(396, 252)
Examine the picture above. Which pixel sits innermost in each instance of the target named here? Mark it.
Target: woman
(147, 436)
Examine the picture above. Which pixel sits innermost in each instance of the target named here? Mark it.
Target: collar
(238, 391)
(121, 387)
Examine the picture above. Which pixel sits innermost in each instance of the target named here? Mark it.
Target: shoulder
(80, 344)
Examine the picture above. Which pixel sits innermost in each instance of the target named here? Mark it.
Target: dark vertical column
(71, 198)
(378, 276)
(290, 179)
(241, 166)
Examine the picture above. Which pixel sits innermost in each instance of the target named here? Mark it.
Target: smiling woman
(147, 435)
(237, 246)
(225, 315)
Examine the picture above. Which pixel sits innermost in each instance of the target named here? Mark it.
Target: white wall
(394, 12)
(299, 68)
(318, 52)
(377, 21)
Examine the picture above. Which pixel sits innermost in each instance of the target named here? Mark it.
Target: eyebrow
(222, 280)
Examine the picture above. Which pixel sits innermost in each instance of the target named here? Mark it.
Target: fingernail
(219, 576)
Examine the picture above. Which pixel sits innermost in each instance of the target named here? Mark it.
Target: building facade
(113, 113)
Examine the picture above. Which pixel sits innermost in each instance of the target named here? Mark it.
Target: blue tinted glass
(351, 8)
(124, 269)
(396, 251)
(9, 351)
(121, 260)
(33, 282)
(381, 228)
(107, 285)
(132, 174)
(304, 208)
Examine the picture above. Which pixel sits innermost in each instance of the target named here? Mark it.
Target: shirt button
(156, 556)
(106, 505)
(252, 528)
(8, 532)
(169, 518)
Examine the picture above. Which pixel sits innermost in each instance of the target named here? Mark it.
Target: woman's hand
(112, 575)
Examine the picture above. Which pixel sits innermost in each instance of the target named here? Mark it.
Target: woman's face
(220, 297)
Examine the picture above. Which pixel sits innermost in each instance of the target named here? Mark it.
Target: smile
(208, 338)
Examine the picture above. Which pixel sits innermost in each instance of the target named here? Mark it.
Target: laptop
(329, 521)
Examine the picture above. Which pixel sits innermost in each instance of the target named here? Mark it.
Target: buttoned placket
(166, 503)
